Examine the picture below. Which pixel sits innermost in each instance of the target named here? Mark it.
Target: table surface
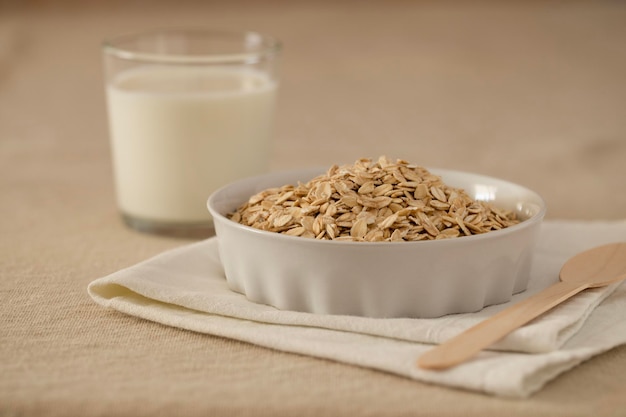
(532, 92)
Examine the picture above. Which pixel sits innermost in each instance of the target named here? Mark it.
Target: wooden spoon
(593, 268)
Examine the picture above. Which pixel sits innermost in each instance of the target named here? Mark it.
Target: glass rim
(271, 47)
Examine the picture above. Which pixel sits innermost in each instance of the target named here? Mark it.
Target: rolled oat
(372, 200)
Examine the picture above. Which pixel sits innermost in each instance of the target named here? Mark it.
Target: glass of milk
(189, 111)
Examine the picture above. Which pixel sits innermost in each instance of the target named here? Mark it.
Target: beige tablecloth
(531, 92)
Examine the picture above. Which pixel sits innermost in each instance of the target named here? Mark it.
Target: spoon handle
(473, 340)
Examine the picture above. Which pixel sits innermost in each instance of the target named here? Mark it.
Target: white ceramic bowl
(379, 279)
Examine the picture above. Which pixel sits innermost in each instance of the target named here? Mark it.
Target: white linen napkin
(185, 287)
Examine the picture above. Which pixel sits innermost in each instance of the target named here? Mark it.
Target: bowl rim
(537, 217)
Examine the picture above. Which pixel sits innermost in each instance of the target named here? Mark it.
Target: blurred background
(534, 92)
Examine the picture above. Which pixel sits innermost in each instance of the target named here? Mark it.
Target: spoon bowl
(596, 267)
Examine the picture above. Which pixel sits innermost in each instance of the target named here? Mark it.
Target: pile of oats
(372, 201)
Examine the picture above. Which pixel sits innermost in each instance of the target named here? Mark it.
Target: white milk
(179, 133)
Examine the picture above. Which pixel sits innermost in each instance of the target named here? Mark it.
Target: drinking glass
(189, 111)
